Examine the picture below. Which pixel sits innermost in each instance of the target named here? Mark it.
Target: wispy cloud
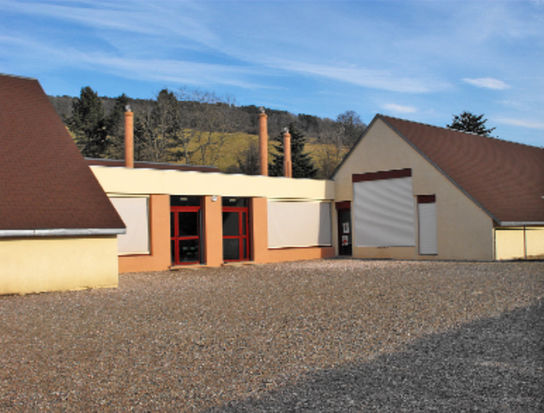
(182, 72)
(363, 54)
(524, 123)
(174, 71)
(487, 83)
(370, 78)
(138, 17)
(393, 107)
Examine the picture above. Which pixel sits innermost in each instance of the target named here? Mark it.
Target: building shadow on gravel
(494, 364)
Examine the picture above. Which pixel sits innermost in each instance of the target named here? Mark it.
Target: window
(134, 213)
(426, 213)
(384, 209)
(299, 224)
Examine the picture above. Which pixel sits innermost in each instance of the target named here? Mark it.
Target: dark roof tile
(44, 181)
(505, 178)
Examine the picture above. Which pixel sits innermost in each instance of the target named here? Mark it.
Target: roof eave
(520, 223)
(59, 232)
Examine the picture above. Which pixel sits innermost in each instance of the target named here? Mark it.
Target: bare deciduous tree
(212, 118)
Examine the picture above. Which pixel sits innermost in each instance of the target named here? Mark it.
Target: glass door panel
(189, 250)
(185, 234)
(235, 232)
(231, 249)
(231, 224)
(187, 224)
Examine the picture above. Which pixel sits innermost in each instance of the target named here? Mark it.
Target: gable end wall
(465, 231)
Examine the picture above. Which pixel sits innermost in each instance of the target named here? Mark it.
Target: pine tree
(468, 122)
(88, 124)
(302, 164)
(116, 128)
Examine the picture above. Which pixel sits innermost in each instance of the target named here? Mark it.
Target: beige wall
(119, 180)
(519, 243)
(464, 230)
(57, 264)
(535, 242)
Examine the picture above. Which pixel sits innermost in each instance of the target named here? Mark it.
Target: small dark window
(234, 202)
(180, 200)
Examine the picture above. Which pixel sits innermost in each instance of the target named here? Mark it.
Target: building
(405, 191)
(58, 230)
(198, 216)
(415, 191)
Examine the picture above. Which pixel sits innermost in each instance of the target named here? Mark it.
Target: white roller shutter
(299, 224)
(384, 213)
(134, 213)
(427, 228)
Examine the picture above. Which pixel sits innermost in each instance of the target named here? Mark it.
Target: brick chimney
(263, 141)
(287, 165)
(129, 137)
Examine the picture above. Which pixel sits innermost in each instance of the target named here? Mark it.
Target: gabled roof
(506, 179)
(46, 187)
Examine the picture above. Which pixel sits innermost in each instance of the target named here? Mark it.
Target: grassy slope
(225, 157)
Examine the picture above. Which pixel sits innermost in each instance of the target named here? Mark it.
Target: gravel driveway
(334, 335)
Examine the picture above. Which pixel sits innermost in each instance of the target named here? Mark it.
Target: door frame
(176, 210)
(344, 206)
(240, 210)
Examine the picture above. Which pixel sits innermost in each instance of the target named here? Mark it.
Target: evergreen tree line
(184, 125)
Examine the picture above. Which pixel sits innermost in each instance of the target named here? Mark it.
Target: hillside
(205, 131)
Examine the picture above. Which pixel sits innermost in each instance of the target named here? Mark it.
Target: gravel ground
(335, 335)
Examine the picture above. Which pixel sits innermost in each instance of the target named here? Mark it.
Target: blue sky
(419, 60)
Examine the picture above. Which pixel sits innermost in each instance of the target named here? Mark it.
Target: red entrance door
(185, 234)
(235, 233)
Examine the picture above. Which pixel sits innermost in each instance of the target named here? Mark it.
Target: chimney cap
(261, 109)
(285, 130)
(127, 108)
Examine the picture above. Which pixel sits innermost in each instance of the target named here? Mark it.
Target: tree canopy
(303, 166)
(468, 122)
(198, 127)
(351, 125)
(88, 123)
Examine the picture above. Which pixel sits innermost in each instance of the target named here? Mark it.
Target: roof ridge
(17, 76)
(458, 131)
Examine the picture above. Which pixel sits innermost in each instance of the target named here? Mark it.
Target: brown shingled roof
(505, 178)
(45, 184)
